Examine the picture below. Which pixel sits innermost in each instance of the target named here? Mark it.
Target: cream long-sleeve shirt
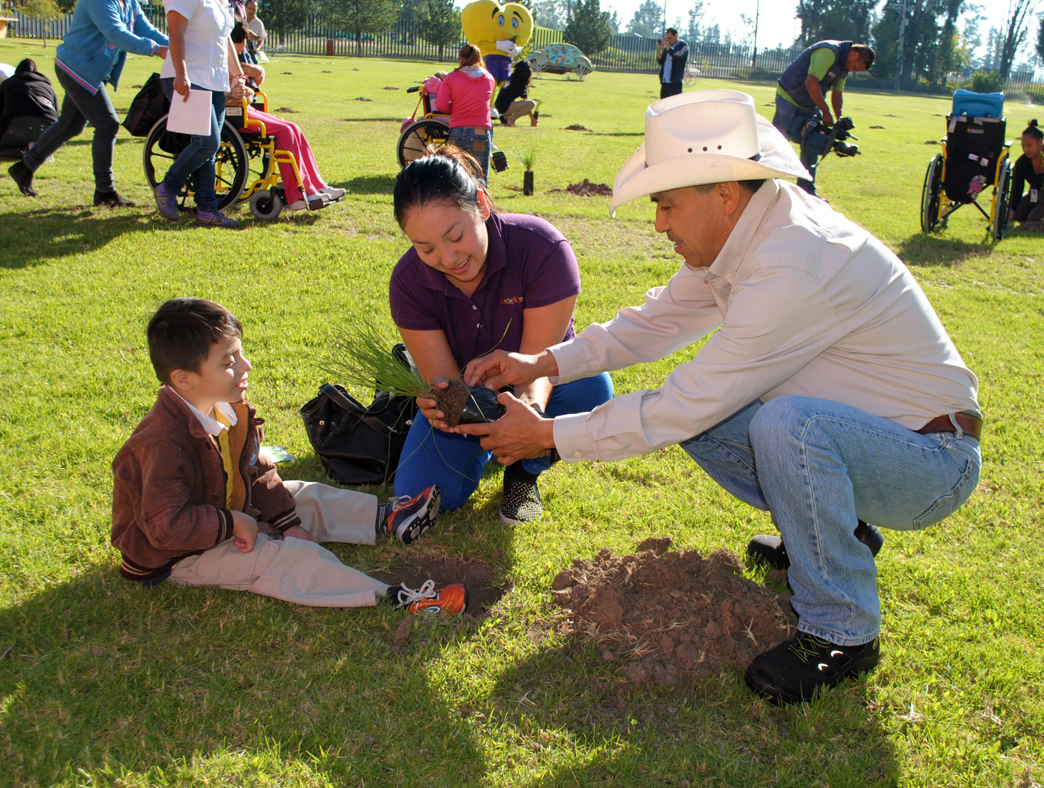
(808, 304)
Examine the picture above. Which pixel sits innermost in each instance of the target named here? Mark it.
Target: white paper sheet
(192, 116)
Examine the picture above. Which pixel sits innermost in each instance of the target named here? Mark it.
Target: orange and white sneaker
(406, 519)
(448, 600)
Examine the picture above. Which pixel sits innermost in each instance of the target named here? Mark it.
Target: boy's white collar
(209, 423)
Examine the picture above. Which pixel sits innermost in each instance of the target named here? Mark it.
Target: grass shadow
(922, 249)
(716, 732)
(61, 232)
(102, 674)
(369, 184)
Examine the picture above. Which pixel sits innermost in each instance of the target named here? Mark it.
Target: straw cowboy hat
(712, 136)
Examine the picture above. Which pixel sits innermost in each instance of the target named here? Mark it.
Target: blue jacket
(793, 79)
(100, 36)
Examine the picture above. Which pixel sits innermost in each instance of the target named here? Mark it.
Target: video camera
(821, 139)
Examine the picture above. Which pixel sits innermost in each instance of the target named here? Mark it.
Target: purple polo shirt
(529, 264)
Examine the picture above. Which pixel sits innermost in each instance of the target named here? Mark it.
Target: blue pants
(819, 467)
(196, 162)
(476, 143)
(79, 108)
(791, 121)
(455, 462)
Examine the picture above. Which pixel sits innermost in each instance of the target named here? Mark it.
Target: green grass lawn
(106, 683)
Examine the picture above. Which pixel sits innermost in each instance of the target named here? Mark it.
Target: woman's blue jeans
(819, 467)
(476, 143)
(455, 462)
(196, 162)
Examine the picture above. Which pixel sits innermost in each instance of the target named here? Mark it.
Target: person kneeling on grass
(195, 501)
(474, 280)
(829, 394)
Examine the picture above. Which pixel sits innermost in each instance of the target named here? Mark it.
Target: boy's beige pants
(295, 570)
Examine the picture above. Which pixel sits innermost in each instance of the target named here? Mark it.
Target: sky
(776, 21)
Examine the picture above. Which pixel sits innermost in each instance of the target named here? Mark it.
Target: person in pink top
(466, 95)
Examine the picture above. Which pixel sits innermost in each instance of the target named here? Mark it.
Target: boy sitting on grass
(194, 501)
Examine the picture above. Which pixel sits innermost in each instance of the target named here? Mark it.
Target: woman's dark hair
(238, 34)
(471, 56)
(521, 74)
(446, 174)
(26, 65)
(1033, 130)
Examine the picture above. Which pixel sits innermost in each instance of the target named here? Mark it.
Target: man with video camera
(672, 61)
(800, 102)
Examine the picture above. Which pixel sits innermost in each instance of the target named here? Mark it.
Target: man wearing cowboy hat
(829, 395)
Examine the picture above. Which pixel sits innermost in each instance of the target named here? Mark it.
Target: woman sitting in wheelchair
(316, 193)
(1028, 208)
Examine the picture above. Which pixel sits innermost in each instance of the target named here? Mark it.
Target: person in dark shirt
(1028, 208)
(513, 99)
(672, 54)
(28, 105)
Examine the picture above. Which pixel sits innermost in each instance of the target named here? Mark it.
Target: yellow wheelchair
(247, 162)
(973, 159)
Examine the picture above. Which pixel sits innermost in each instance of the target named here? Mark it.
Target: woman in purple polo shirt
(475, 280)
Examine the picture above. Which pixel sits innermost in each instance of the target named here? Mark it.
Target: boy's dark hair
(238, 34)
(28, 64)
(867, 53)
(670, 30)
(183, 331)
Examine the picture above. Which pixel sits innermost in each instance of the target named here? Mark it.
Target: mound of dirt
(672, 616)
(574, 127)
(586, 189)
(287, 110)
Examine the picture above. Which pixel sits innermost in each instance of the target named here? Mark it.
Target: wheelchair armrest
(264, 100)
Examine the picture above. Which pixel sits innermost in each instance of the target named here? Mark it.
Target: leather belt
(970, 425)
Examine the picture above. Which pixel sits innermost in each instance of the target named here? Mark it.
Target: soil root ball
(672, 616)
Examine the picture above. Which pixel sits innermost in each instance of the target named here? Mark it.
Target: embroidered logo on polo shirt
(509, 301)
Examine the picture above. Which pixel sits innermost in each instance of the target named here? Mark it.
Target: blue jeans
(196, 162)
(819, 467)
(475, 143)
(455, 462)
(78, 108)
(791, 120)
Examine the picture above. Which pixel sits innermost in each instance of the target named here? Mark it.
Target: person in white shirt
(255, 28)
(830, 394)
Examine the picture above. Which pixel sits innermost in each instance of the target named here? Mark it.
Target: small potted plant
(528, 158)
(362, 358)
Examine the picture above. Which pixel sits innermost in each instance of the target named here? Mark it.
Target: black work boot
(793, 671)
(23, 176)
(773, 552)
(112, 200)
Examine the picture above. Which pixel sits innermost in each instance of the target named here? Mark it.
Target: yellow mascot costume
(499, 31)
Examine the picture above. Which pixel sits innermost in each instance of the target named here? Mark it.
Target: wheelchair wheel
(265, 204)
(415, 140)
(231, 166)
(931, 193)
(1002, 203)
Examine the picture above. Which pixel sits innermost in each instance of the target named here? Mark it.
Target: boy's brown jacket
(169, 490)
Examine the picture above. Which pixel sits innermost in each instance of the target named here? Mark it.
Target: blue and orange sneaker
(446, 601)
(408, 518)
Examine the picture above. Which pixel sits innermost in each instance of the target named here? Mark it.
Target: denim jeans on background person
(78, 108)
(476, 143)
(819, 466)
(196, 162)
(791, 120)
(456, 462)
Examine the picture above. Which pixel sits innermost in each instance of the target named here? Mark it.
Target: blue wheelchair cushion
(978, 105)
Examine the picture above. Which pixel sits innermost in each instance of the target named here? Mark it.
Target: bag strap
(342, 399)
